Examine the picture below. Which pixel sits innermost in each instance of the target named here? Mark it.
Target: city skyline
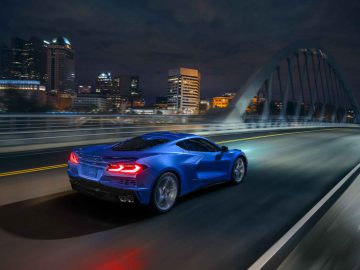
(192, 134)
(17, 60)
(226, 44)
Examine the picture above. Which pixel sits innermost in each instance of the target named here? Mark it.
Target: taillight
(124, 168)
(74, 158)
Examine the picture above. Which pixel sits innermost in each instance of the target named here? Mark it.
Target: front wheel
(165, 192)
(238, 170)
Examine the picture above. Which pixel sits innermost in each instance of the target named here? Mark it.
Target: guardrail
(26, 132)
(29, 132)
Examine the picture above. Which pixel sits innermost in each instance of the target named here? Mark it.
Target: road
(44, 225)
(334, 241)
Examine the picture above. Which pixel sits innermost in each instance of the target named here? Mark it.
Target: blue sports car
(154, 169)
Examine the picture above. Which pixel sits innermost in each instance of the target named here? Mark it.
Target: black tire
(238, 174)
(165, 193)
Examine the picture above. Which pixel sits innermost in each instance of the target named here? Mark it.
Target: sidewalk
(334, 242)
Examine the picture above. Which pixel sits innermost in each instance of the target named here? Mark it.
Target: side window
(195, 145)
(209, 146)
(182, 145)
(198, 145)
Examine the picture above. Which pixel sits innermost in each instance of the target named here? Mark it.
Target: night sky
(226, 40)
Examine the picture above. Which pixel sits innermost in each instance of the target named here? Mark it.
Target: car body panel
(194, 169)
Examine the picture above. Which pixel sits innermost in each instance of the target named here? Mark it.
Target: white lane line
(261, 262)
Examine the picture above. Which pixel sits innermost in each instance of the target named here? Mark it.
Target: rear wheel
(165, 192)
(238, 170)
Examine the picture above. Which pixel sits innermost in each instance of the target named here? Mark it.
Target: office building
(90, 103)
(25, 88)
(127, 86)
(103, 84)
(125, 92)
(21, 85)
(220, 102)
(24, 60)
(223, 101)
(183, 91)
(60, 66)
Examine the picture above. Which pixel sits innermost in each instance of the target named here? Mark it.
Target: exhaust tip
(126, 198)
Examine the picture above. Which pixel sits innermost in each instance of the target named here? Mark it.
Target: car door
(210, 166)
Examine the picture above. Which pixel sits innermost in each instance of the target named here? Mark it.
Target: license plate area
(90, 172)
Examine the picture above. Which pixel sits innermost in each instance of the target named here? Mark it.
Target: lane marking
(33, 170)
(271, 252)
(32, 153)
(272, 135)
(38, 169)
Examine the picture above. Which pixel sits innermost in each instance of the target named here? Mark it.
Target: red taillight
(74, 159)
(124, 168)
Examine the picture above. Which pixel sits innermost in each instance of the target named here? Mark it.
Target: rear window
(138, 144)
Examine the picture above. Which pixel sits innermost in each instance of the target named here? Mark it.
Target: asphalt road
(44, 225)
(334, 242)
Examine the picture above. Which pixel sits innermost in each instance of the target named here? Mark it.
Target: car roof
(171, 136)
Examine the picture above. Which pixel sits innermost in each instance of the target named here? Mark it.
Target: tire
(164, 193)
(238, 171)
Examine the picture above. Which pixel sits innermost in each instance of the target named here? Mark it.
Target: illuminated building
(220, 102)
(223, 101)
(253, 107)
(60, 65)
(126, 86)
(24, 60)
(140, 102)
(134, 88)
(84, 89)
(26, 88)
(90, 103)
(21, 85)
(183, 91)
(125, 92)
(204, 106)
(104, 83)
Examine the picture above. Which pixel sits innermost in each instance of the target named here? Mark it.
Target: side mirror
(224, 148)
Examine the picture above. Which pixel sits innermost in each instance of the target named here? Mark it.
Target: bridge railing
(24, 132)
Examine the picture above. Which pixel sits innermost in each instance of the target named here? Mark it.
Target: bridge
(296, 119)
(300, 81)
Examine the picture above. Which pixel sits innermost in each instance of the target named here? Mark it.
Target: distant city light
(19, 82)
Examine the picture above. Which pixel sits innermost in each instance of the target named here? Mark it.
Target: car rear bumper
(107, 192)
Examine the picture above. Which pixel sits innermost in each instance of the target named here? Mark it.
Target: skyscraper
(36, 60)
(60, 65)
(104, 83)
(24, 60)
(184, 90)
(125, 90)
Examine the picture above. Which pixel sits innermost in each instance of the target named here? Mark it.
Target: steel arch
(332, 90)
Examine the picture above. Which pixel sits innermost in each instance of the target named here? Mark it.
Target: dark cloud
(226, 40)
